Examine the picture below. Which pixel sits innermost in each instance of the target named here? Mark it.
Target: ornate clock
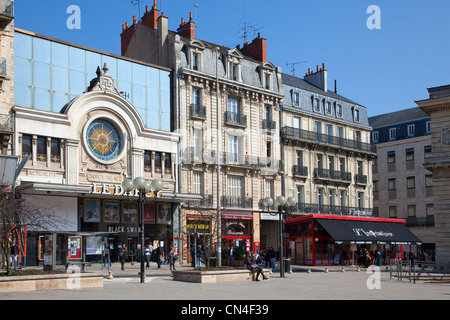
(103, 140)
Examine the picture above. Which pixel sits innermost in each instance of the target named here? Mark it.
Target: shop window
(147, 161)
(41, 149)
(168, 163)
(158, 162)
(26, 145)
(55, 150)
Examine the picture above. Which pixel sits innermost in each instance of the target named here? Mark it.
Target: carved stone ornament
(103, 82)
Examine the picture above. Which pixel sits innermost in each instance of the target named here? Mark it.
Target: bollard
(110, 276)
(326, 270)
(342, 269)
(309, 270)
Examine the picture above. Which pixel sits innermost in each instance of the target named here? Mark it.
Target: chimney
(163, 43)
(318, 78)
(257, 49)
(187, 29)
(127, 35)
(150, 18)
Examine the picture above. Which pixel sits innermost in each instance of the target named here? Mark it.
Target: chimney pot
(190, 16)
(317, 68)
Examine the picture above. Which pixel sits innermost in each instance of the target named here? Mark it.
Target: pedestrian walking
(14, 254)
(172, 259)
(106, 256)
(232, 254)
(148, 254)
(199, 256)
(123, 255)
(158, 253)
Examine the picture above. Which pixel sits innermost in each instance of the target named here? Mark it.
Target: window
(411, 129)
(343, 197)
(300, 195)
(328, 107)
(410, 154)
(197, 183)
(299, 158)
(391, 157)
(197, 142)
(360, 200)
(316, 104)
(319, 161)
(196, 61)
(392, 133)
(342, 164)
(375, 186)
(375, 136)
(235, 187)
(411, 182)
(393, 212)
(55, 150)
(340, 131)
(296, 122)
(430, 209)
(320, 192)
(428, 127)
(331, 197)
(41, 149)
(158, 162)
(268, 188)
(196, 97)
(26, 145)
(296, 99)
(331, 162)
(359, 167)
(411, 210)
(235, 72)
(329, 128)
(318, 127)
(234, 106)
(147, 161)
(268, 81)
(356, 115)
(339, 111)
(392, 184)
(428, 152)
(234, 148)
(168, 163)
(428, 181)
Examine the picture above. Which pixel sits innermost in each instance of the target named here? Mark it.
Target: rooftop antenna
(292, 66)
(137, 3)
(196, 5)
(248, 31)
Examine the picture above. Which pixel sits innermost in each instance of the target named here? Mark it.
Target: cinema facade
(89, 120)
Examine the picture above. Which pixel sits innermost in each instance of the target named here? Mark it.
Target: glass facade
(49, 74)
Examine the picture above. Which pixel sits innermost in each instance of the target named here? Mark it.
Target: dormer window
(295, 99)
(328, 107)
(339, 110)
(196, 48)
(266, 70)
(234, 59)
(356, 116)
(315, 104)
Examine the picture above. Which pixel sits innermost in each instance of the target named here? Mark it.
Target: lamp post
(143, 187)
(284, 207)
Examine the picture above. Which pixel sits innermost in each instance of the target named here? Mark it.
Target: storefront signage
(123, 229)
(370, 233)
(116, 190)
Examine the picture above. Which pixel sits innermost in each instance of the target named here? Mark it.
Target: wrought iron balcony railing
(332, 175)
(198, 111)
(236, 202)
(310, 208)
(300, 171)
(290, 133)
(269, 124)
(235, 118)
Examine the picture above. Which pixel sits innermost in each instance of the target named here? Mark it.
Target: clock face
(103, 140)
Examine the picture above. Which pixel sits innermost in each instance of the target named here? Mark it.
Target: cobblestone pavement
(299, 285)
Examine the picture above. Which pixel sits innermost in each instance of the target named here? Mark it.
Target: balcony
(300, 171)
(336, 176)
(292, 135)
(237, 202)
(235, 119)
(206, 202)
(198, 112)
(269, 124)
(6, 11)
(361, 179)
(314, 208)
(194, 155)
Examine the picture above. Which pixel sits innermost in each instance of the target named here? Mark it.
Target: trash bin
(213, 262)
(287, 265)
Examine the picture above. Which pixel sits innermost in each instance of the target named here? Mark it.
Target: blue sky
(383, 69)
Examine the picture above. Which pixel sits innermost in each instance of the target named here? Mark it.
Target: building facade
(227, 104)
(89, 120)
(437, 108)
(6, 75)
(403, 187)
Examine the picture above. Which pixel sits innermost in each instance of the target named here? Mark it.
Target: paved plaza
(299, 285)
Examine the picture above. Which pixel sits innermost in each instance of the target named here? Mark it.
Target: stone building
(437, 107)
(226, 102)
(6, 75)
(403, 187)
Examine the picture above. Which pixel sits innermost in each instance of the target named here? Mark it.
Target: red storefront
(333, 240)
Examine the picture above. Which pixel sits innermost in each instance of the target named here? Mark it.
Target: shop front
(237, 231)
(339, 240)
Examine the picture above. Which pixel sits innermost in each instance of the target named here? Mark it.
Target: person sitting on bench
(253, 267)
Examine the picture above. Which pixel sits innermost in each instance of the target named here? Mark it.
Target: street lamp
(284, 207)
(143, 187)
